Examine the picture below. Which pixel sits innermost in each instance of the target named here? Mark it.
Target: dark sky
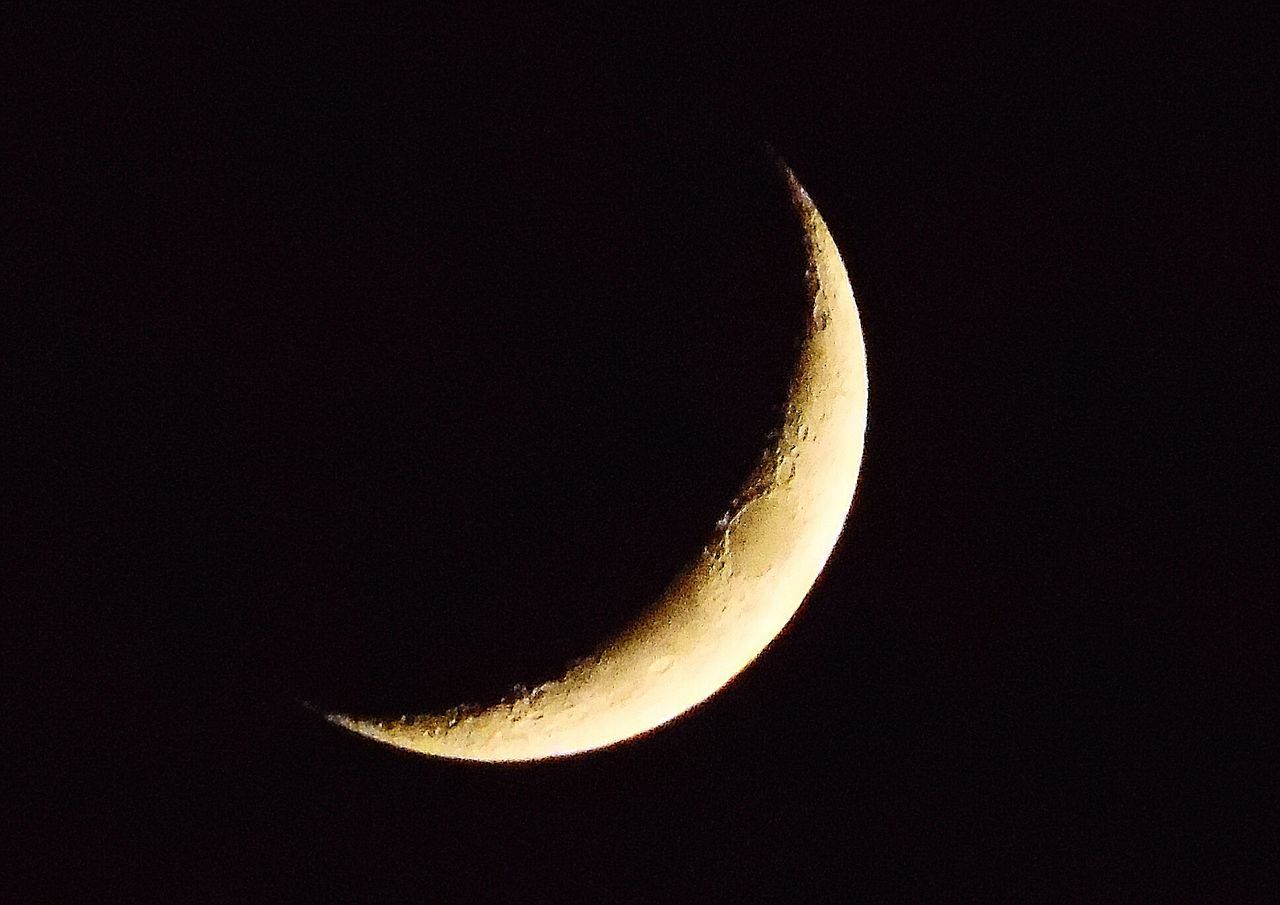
(384, 362)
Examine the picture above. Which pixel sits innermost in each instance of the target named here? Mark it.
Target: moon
(736, 595)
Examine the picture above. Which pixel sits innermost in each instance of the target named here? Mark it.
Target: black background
(384, 361)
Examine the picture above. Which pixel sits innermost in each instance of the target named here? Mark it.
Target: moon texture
(739, 591)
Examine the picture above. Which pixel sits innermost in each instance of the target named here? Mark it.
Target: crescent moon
(738, 593)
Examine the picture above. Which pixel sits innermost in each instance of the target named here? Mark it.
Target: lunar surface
(737, 593)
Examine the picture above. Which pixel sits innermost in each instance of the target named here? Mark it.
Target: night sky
(383, 362)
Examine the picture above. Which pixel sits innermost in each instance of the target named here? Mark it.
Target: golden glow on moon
(740, 591)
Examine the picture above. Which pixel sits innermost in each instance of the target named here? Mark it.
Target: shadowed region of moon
(492, 443)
